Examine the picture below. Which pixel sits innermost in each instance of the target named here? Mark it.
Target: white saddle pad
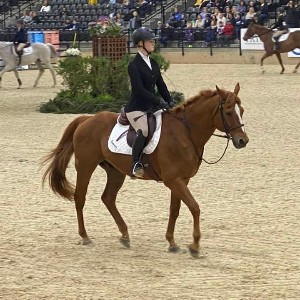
(283, 37)
(26, 51)
(117, 141)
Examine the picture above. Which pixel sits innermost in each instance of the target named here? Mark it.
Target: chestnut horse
(177, 158)
(265, 34)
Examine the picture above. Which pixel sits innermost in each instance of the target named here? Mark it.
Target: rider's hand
(163, 105)
(171, 104)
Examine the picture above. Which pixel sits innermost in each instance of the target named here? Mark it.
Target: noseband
(225, 124)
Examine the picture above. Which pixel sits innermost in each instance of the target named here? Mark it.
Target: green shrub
(95, 84)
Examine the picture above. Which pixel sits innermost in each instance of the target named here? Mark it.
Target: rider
(144, 74)
(281, 28)
(20, 39)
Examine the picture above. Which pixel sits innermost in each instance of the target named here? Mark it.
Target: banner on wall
(252, 44)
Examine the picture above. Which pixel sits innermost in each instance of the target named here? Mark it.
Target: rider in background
(281, 27)
(20, 39)
(144, 74)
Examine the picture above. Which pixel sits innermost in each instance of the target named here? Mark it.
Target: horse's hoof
(263, 72)
(194, 252)
(125, 242)
(295, 71)
(86, 242)
(18, 87)
(174, 249)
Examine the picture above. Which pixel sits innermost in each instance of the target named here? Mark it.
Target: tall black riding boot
(277, 44)
(20, 57)
(137, 149)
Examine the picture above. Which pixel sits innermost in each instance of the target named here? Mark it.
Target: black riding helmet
(142, 34)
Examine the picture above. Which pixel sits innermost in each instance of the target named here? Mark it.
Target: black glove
(171, 104)
(163, 105)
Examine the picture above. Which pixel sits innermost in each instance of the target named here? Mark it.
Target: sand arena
(250, 212)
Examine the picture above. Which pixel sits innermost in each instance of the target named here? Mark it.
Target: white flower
(73, 52)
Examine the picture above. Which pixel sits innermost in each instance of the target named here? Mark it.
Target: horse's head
(250, 31)
(228, 117)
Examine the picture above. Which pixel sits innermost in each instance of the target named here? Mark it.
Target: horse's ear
(221, 93)
(236, 89)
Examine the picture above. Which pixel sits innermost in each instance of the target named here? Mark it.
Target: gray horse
(41, 53)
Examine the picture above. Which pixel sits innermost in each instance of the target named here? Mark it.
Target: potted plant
(108, 38)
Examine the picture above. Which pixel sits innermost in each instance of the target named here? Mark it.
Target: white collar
(146, 58)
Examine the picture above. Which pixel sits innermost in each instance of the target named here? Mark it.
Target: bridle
(225, 125)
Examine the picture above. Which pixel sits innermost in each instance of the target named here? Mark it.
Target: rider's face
(149, 45)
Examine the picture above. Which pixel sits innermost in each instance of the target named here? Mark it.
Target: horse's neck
(263, 33)
(199, 117)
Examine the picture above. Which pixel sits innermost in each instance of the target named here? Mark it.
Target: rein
(227, 132)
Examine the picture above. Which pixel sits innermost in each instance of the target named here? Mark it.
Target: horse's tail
(54, 54)
(59, 159)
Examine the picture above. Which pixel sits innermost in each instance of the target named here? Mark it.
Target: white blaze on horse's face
(238, 112)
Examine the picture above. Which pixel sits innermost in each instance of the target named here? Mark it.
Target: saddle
(131, 134)
(15, 46)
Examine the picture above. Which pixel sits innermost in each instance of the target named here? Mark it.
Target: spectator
(189, 33)
(220, 27)
(204, 13)
(231, 19)
(241, 8)
(64, 12)
(135, 22)
(211, 34)
(292, 15)
(45, 7)
(227, 35)
(199, 22)
(239, 24)
(263, 12)
(250, 15)
(118, 20)
(221, 17)
(177, 18)
(35, 17)
(166, 34)
(252, 4)
(72, 25)
(27, 17)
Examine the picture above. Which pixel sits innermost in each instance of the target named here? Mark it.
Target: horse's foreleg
(296, 68)
(180, 189)
(174, 213)
(41, 71)
(6, 68)
(267, 54)
(115, 180)
(18, 78)
(280, 61)
(48, 65)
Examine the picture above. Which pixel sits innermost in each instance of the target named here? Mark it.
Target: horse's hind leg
(296, 68)
(49, 66)
(280, 61)
(174, 213)
(85, 169)
(41, 71)
(115, 180)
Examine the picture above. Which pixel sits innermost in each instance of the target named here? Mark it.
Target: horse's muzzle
(240, 142)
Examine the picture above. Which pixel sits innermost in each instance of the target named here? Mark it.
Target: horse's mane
(202, 95)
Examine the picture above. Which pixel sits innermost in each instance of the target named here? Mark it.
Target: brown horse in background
(265, 34)
(177, 158)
